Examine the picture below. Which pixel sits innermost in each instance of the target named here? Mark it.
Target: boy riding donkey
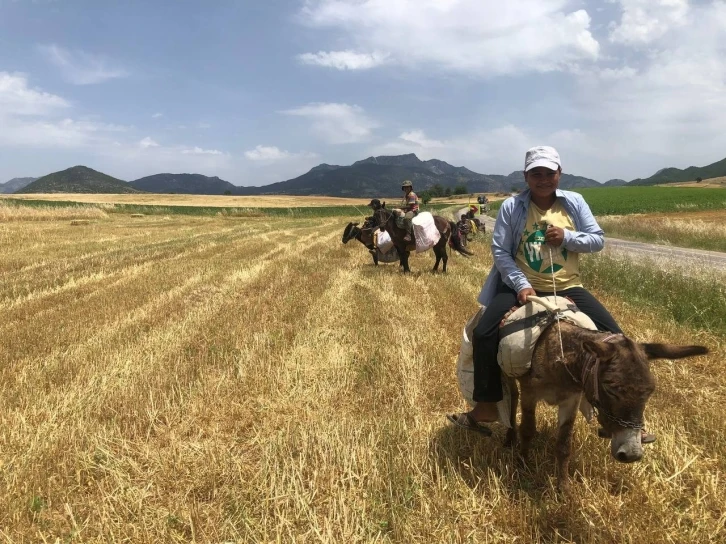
(540, 221)
(409, 205)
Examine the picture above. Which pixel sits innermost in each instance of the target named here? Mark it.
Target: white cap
(542, 155)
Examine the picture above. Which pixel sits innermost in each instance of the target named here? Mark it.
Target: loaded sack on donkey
(518, 332)
(422, 229)
(384, 246)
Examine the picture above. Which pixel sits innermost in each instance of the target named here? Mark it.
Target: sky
(257, 92)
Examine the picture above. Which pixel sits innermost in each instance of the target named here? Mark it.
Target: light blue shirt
(587, 238)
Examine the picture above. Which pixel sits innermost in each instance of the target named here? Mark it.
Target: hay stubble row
(227, 379)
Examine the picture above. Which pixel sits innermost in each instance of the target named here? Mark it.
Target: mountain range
(78, 179)
(382, 176)
(372, 177)
(15, 184)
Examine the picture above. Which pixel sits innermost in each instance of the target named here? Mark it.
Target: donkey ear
(384, 204)
(601, 350)
(671, 351)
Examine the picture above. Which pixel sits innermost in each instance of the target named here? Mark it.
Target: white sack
(425, 231)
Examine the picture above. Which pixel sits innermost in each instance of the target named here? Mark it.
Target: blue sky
(260, 91)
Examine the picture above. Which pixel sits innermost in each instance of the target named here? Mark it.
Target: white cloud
(419, 138)
(667, 109)
(470, 36)
(79, 67)
(147, 143)
(199, 151)
(157, 115)
(644, 21)
(344, 60)
(614, 74)
(33, 118)
(17, 99)
(267, 153)
(487, 151)
(337, 123)
(50, 134)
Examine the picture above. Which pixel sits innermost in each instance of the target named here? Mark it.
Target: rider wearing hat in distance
(540, 230)
(409, 205)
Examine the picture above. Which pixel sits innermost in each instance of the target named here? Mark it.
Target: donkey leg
(528, 428)
(566, 420)
(511, 438)
(404, 262)
(439, 257)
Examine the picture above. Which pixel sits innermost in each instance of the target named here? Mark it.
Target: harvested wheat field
(227, 201)
(222, 379)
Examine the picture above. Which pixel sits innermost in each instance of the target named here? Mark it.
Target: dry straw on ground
(9, 212)
(242, 379)
(706, 229)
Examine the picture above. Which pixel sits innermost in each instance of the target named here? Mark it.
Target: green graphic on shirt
(537, 254)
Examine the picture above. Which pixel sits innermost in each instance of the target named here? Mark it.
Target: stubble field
(224, 379)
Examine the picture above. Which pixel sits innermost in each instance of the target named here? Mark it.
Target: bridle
(591, 370)
(388, 216)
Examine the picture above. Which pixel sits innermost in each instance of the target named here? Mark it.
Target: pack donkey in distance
(612, 373)
(386, 219)
(363, 234)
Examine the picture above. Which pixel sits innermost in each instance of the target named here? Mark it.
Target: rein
(389, 216)
(590, 368)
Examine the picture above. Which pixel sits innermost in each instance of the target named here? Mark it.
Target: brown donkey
(363, 234)
(386, 220)
(610, 370)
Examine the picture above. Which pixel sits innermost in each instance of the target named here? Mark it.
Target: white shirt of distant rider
(537, 259)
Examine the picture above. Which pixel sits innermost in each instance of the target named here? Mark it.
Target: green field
(628, 200)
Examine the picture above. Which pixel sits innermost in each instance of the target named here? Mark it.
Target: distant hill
(15, 184)
(515, 180)
(675, 175)
(615, 183)
(372, 177)
(79, 179)
(382, 177)
(194, 184)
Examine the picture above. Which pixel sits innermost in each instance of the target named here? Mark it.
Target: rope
(554, 292)
(360, 212)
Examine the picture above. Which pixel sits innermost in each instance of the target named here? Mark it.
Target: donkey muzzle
(625, 446)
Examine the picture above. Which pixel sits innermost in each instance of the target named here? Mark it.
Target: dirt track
(676, 256)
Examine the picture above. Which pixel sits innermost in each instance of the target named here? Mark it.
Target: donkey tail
(455, 240)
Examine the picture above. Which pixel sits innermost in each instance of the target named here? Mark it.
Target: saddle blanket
(425, 231)
(520, 330)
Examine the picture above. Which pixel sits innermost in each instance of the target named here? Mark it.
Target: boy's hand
(554, 236)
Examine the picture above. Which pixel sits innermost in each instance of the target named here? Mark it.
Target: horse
(609, 371)
(386, 219)
(363, 234)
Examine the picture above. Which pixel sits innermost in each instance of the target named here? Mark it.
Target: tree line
(437, 190)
